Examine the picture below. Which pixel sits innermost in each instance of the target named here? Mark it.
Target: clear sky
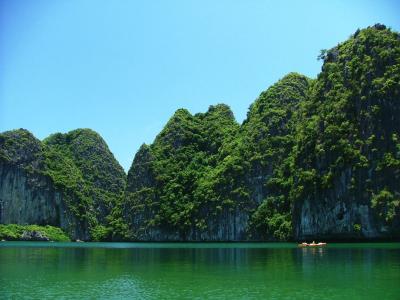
(122, 68)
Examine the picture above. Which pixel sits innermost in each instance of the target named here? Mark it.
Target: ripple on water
(229, 272)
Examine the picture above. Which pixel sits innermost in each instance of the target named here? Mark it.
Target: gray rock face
(34, 236)
(25, 199)
(32, 183)
(32, 199)
(336, 220)
(337, 213)
(227, 226)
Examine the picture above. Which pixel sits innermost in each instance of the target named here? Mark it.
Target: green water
(198, 271)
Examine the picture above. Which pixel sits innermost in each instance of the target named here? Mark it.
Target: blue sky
(123, 67)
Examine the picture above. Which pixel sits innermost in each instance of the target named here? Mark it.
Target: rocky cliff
(69, 180)
(347, 158)
(166, 184)
(313, 159)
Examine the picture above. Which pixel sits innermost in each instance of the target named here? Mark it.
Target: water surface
(39, 270)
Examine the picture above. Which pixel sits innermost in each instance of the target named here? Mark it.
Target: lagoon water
(39, 270)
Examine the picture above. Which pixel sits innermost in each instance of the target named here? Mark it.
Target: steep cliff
(70, 180)
(314, 158)
(165, 199)
(206, 178)
(81, 165)
(268, 139)
(347, 158)
(27, 196)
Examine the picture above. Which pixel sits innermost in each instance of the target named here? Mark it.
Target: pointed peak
(20, 146)
(293, 76)
(287, 85)
(76, 134)
(18, 133)
(182, 112)
(220, 109)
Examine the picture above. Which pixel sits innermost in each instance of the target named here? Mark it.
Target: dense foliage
(349, 143)
(335, 139)
(269, 134)
(20, 148)
(14, 232)
(93, 182)
(81, 167)
(165, 180)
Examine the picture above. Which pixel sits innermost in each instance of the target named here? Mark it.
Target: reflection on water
(226, 272)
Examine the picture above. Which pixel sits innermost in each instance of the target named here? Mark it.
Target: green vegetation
(348, 142)
(82, 169)
(20, 148)
(81, 165)
(335, 138)
(357, 228)
(14, 232)
(269, 135)
(387, 205)
(167, 179)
